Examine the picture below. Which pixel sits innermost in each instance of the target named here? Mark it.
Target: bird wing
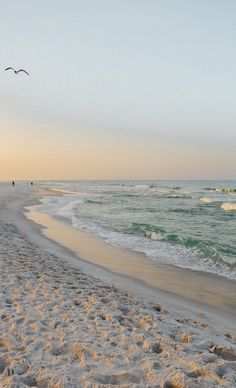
(18, 71)
(9, 68)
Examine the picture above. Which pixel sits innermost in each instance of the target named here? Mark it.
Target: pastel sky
(118, 89)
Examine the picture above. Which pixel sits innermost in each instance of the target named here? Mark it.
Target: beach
(67, 321)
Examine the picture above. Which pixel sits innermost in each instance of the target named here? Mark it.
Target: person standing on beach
(31, 183)
(13, 183)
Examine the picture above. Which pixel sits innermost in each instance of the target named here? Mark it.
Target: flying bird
(17, 71)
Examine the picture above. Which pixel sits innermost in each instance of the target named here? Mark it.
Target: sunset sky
(118, 89)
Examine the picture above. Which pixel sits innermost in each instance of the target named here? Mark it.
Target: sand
(60, 327)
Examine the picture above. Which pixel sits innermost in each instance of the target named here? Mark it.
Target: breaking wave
(228, 206)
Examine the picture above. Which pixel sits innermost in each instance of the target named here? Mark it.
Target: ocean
(190, 224)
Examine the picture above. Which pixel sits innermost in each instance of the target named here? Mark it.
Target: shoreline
(63, 327)
(205, 291)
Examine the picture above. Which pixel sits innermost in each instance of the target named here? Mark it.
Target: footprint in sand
(121, 378)
(3, 365)
(225, 353)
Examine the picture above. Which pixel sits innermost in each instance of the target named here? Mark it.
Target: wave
(228, 206)
(162, 236)
(175, 187)
(220, 189)
(146, 230)
(156, 187)
(205, 249)
(207, 199)
(63, 206)
(176, 196)
(199, 210)
(225, 190)
(184, 252)
(94, 202)
(187, 241)
(68, 210)
(142, 187)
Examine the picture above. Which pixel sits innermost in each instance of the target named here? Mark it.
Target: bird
(17, 71)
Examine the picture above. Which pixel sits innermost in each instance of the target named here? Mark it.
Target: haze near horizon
(118, 89)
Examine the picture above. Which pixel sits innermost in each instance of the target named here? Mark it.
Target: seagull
(17, 71)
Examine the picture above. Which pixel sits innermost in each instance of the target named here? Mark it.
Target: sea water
(189, 224)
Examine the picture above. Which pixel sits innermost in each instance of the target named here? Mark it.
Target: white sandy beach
(63, 327)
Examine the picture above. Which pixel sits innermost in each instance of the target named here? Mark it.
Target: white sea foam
(153, 235)
(67, 211)
(142, 187)
(228, 206)
(207, 199)
(59, 205)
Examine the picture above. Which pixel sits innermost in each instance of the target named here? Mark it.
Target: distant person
(13, 183)
(31, 183)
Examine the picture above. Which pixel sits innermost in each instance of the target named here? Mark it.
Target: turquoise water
(184, 223)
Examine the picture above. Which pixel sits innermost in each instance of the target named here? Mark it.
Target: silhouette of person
(31, 183)
(13, 183)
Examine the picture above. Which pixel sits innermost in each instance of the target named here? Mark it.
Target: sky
(118, 89)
